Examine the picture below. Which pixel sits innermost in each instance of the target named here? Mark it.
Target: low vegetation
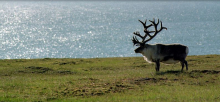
(125, 79)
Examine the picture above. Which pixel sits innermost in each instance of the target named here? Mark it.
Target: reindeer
(165, 53)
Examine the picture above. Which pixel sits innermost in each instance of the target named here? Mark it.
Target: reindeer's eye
(135, 47)
(137, 44)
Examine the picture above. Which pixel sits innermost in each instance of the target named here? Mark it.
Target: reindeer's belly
(170, 61)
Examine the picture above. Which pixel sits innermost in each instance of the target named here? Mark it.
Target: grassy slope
(110, 79)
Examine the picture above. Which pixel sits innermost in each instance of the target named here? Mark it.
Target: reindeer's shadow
(176, 72)
(191, 74)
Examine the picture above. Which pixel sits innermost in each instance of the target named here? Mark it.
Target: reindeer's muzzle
(138, 50)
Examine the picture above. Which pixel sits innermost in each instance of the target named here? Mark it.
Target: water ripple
(65, 29)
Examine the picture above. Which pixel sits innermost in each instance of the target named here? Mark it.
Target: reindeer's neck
(148, 52)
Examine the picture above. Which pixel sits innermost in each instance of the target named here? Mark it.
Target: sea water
(91, 29)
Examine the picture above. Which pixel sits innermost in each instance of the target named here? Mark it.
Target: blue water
(65, 29)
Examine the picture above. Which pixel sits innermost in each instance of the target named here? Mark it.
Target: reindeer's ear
(143, 44)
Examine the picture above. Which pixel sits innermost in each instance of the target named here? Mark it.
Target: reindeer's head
(147, 33)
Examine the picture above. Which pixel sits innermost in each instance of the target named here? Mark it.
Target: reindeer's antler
(156, 30)
(147, 32)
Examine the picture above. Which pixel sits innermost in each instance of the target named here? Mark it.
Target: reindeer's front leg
(157, 65)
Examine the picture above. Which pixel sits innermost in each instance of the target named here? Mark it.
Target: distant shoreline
(98, 57)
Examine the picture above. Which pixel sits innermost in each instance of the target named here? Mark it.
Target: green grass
(125, 79)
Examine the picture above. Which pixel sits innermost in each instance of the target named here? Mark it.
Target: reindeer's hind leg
(184, 62)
